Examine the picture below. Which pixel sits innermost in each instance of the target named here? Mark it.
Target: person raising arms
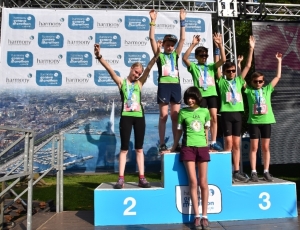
(169, 89)
(132, 113)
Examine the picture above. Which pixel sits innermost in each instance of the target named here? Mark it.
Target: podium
(168, 201)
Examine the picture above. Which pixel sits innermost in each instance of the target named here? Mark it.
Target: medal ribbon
(232, 87)
(171, 59)
(203, 75)
(258, 96)
(129, 90)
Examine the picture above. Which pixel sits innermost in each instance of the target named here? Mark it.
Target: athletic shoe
(204, 224)
(197, 223)
(239, 177)
(215, 146)
(254, 177)
(163, 147)
(268, 177)
(143, 183)
(119, 184)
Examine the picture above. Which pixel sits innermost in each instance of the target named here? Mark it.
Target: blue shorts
(197, 154)
(168, 92)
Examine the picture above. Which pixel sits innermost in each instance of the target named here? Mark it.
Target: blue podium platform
(169, 201)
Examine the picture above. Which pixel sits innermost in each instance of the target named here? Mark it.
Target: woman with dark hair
(132, 115)
(194, 122)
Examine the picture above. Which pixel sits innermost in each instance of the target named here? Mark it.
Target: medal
(233, 101)
(258, 109)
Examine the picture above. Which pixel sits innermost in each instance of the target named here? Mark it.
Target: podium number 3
(266, 201)
(128, 211)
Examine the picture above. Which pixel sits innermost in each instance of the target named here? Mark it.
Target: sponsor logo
(79, 59)
(135, 43)
(164, 26)
(194, 25)
(80, 22)
(11, 42)
(48, 78)
(78, 42)
(137, 23)
(184, 203)
(132, 57)
(47, 61)
(109, 24)
(21, 21)
(102, 78)
(77, 80)
(17, 80)
(19, 59)
(186, 81)
(50, 40)
(108, 40)
(50, 24)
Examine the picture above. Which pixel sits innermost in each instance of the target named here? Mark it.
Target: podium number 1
(266, 199)
(128, 211)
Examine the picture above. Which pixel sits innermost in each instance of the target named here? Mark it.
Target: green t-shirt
(198, 78)
(165, 72)
(192, 123)
(227, 101)
(133, 107)
(262, 114)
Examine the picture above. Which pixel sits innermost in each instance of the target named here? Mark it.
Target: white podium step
(169, 201)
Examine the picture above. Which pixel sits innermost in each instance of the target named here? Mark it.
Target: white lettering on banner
(74, 42)
(18, 42)
(47, 61)
(104, 79)
(50, 24)
(76, 80)
(16, 80)
(78, 60)
(19, 61)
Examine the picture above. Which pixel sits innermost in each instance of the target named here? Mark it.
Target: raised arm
(153, 16)
(111, 72)
(182, 15)
(249, 59)
(218, 40)
(217, 58)
(278, 73)
(146, 72)
(239, 61)
(185, 58)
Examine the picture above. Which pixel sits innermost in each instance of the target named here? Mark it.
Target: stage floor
(84, 220)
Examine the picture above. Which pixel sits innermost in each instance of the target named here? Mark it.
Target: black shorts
(209, 102)
(197, 154)
(139, 127)
(231, 123)
(262, 130)
(168, 92)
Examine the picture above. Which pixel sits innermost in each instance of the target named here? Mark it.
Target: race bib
(209, 81)
(229, 98)
(167, 71)
(263, 109)
(131, 106)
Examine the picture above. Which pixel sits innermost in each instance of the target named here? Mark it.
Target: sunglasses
(203, 55)
(230, 71)
(258, 81)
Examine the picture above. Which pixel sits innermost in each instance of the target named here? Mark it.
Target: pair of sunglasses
(230, 71)
(203, 55)
(257, 81)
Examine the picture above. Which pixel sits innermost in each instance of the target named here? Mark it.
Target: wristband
(217, 51)
(182, 23)
(99, 57)
(152, 24)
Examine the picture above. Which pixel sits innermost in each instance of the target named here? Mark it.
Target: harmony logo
(77, 42)
(165, 26)
(18, 42)
(77, 80)
(50, 24)
(47, 61)
(135, 43)
(17, 80)
(108, 24)
(111, 61)
(187, 81)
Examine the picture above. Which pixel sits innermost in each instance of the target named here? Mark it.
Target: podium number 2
(266, 199)
(128, 211)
